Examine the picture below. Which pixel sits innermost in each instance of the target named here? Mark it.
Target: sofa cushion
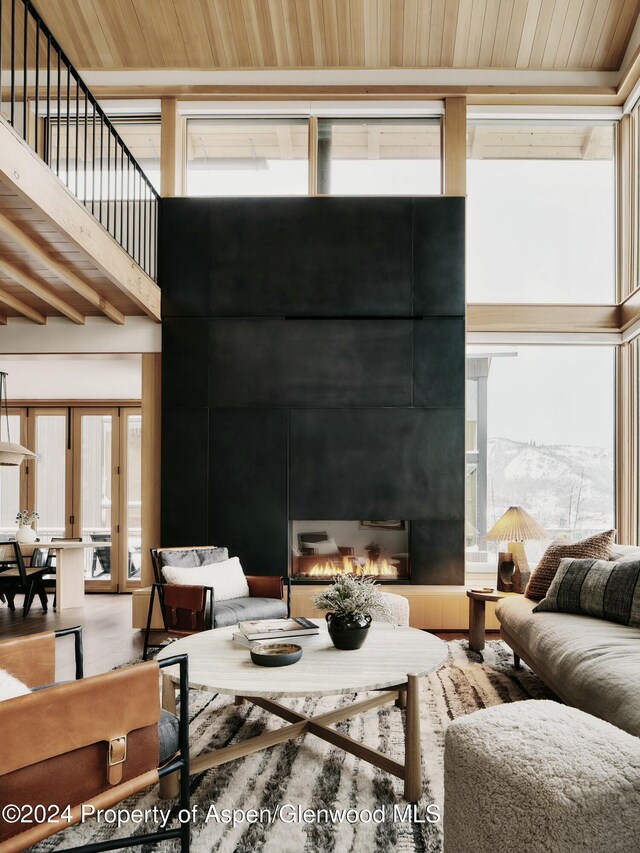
(597, 588)
(226, 578)
(596, 547)
(169, 736)
(241, 609)
(188, 557)
(590, 663)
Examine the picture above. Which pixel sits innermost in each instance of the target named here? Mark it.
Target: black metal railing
(46, 101)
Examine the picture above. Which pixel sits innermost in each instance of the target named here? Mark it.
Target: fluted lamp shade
(516, 525)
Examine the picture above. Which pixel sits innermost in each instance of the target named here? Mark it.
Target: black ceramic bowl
(276, 654)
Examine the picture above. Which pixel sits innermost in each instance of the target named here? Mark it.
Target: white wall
(73, 377)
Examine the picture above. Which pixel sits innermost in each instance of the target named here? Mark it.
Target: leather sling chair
(89, 742)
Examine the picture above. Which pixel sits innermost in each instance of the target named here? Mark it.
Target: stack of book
(250, 634)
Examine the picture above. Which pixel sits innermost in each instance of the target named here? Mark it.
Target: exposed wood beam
(23, 171)
(22, 307)
(285, 142)
(40, 290)
(543, 318)
(63, 272)
(3, 319)
(151, 425)
(171, 147)
(520, 95)
(454, 147)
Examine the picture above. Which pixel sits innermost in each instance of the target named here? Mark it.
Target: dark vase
(347, 631)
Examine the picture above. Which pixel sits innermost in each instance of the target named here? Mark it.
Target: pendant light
(10, 453)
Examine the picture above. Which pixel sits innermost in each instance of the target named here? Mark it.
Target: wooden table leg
(476, 624)
(401, 701)
(413, 747)
(169, 785)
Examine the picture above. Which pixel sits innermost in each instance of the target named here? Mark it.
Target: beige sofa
(589, 663)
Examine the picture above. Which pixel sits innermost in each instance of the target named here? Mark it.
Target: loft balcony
(78, 215)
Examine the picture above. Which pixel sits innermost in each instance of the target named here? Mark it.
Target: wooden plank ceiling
(233, 34)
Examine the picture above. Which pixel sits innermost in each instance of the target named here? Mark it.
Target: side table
(477, 606)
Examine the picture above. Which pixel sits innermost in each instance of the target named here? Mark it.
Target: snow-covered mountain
(564, 487)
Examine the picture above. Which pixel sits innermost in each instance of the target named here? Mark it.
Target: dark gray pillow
(191, 557)
(606, 590)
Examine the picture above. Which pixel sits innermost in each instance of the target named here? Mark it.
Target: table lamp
(514, 527)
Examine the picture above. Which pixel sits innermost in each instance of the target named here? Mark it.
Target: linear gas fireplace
(322, 550)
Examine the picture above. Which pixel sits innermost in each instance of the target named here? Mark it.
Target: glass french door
(85, 482)
(96, 493)
(13, 479)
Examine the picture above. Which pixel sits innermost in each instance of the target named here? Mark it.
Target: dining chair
(17, 577)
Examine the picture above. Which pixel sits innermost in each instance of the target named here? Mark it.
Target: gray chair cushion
(234, 610)
(191, 557)
(168, 733)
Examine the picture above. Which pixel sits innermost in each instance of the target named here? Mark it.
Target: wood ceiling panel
(533, 34)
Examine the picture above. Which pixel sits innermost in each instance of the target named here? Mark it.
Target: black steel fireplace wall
(313, 367)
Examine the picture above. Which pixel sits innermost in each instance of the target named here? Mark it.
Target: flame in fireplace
(331, 568)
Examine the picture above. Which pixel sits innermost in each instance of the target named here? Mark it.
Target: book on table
(275, 629)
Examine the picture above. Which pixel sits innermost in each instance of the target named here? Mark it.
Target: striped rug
(310, 774)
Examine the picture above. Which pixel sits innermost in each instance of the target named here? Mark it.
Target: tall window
(541, 212)
(247, 157)
(379, 156)
(540, 434)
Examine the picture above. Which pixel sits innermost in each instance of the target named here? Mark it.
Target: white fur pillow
(10, 687)
(226, 578)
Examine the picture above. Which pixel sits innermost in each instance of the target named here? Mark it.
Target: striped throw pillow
(596, 588)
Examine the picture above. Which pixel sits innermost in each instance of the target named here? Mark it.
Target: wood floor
(108, 638)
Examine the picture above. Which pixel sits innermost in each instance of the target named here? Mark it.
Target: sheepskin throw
(596, 547)
(596, 588)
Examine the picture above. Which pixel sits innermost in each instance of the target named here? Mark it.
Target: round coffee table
(391, 663)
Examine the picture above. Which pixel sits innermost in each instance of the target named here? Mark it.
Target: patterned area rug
(310, 773)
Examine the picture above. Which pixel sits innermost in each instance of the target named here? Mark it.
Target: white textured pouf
(539, 777)
(398, 609)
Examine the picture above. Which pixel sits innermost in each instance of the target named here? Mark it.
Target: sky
(552, 394)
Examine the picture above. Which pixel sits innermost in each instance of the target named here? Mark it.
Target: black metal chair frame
(29, 583)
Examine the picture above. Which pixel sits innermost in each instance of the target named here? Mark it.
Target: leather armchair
(91, 742)
(187, 609)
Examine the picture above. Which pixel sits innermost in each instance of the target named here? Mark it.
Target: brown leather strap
(116, 756)
(78, 714)
(265, 586)
(31, 659)
(184, 596)
(185, 607)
